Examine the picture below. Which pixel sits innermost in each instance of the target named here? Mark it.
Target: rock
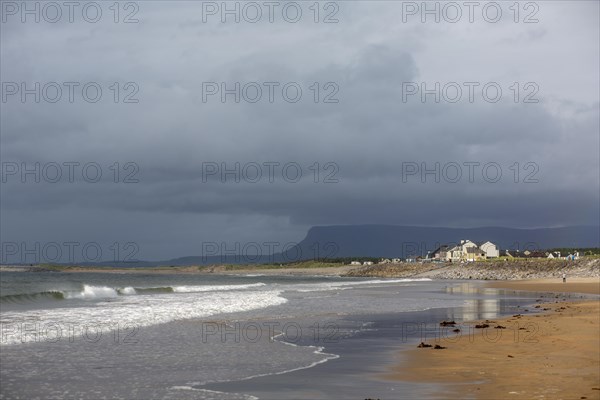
(456, 330)
(499, 327)
(482, 326)
(438, 347)
(447, 323)
(421, 345)
(510, 356)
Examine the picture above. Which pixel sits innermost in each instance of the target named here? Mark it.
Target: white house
(490, 249)
(454, 254)
(355, 263)
(465, 244)
(368, 263)
(465, 251)
(474, 254)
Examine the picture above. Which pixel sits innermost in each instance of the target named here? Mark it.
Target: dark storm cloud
(370, 136)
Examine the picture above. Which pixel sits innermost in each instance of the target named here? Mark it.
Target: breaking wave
(90, 292)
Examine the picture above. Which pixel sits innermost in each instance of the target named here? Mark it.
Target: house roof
(443, 247)
(537, 254)
(475, 250)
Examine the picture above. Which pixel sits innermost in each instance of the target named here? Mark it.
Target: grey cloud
(369, 134)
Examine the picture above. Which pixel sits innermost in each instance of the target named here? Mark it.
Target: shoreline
(491, 270)
(337, 271)
(363, 358)
(553, 354)
(573, 285)
(367, 368)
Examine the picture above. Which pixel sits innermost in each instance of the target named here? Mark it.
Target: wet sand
(573, 285)
(551, 355)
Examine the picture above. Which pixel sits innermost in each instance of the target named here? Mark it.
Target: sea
(137, 335)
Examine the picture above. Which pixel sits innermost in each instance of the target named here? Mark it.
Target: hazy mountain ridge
(402, 241)
(394, 241)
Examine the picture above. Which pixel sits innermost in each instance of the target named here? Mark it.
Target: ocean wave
(91, 292)
(32, 297)
(133, 312)
(127, 291)
(350, 284)
(212, 288)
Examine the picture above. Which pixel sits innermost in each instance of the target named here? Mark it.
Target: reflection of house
(479, 309)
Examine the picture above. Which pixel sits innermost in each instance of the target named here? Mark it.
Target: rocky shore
(488, 270)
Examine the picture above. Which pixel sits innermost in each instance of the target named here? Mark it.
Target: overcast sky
(360, 149)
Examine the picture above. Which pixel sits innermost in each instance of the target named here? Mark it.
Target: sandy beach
(551, 355)
(573, 285)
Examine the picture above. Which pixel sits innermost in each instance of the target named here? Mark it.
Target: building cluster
(544, 254)
(466, 250)
(469, 251)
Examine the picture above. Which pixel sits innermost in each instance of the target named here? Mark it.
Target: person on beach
(564, 278)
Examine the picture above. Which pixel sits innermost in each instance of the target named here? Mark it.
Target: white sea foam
(224, 395)
(213, 288)
(127, 290)
(131, 307)
(318, 350)
(349, 284)
(134, 311)
(92, 292)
